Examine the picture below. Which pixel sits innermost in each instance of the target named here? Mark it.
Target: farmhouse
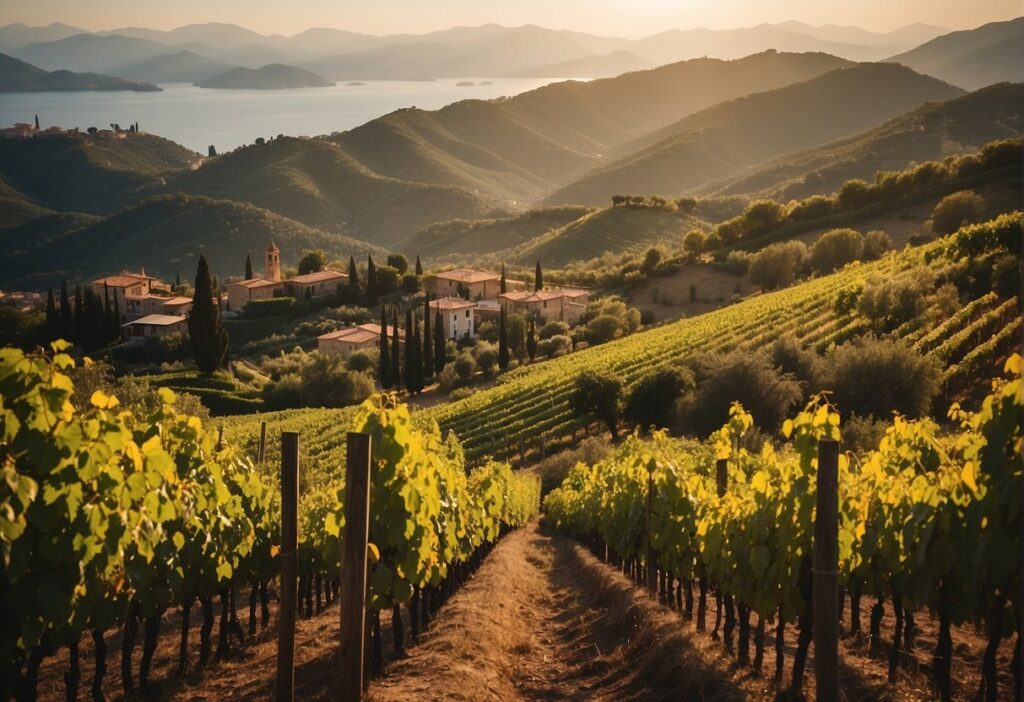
(127, 285)
(472, 284)
(314, 284)
(350, 339)
(555, 305)
(457, 316)
(157, 325)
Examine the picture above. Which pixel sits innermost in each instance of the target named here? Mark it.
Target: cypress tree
(78, 329)
(177, 280)
(428, 341)
(410, 352)
(67, 315)
(209, 338)
(531, 340)
(37, 121)
(115, 328)
(385, 359)
(538, 278)
(109, 322)
(419, 268)
(396, 372)
(504, 286)
(353, 277)
(52, 317)
(439, 357)
(371, 278)
(248, 267)
(502, 340)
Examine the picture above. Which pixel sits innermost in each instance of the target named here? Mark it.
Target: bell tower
(272, 270)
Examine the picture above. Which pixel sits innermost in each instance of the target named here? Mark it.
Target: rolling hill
(519, 148)
(971, 58)
(89, 52)
(164, 234)
(463, 237)
(598, 66)
(929, 132)
(316, 182)
(273, 76)
(20, 77)
(724, 139)
(84, 173)
(181, 67)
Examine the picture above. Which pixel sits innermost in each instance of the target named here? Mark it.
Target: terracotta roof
(161, 320)
(254, 283)
(123, 280)
(177, 301)
(467, 275)
(451, 303)
(531, 296)
(272, 246)
(574, 292)
(317, 277)
(359, 333)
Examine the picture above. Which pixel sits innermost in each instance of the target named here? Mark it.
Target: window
(467, 314)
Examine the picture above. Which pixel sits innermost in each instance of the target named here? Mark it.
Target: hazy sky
(629, 18)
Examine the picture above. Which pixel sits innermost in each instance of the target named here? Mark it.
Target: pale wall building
(243, 292)
(479, 285)
(556, 305)
(345, 342)
(155, 325)
(456, 315)
(315, 284)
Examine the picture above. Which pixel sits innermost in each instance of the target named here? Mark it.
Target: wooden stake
(826, 574)
(652, 570)
(285, 685)
(261, 454)
(353, 568)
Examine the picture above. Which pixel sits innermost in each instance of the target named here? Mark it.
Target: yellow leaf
(102, 400)
(372, 553)
(274, 550)
(968, 475)
(787, 428)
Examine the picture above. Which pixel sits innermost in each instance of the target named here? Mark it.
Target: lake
(197, 117)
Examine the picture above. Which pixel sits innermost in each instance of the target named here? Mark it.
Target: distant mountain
(89, 52)
(972, 58)
(20, 77)
(931, 132)
(163, 234)
(214, 33)
(18, 34)
(724, 139)
(606, 66)
(412, 61)
(909, 36)
(274, 76)
(181, 67)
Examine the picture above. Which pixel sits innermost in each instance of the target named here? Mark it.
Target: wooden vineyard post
(826, 574)
(261, 453)
(353, 568)
(285, 681)
(722, 476)
(652, 569)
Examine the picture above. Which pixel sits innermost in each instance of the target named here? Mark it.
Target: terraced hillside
(532, 402)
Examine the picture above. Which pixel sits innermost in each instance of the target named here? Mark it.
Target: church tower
(273, 262)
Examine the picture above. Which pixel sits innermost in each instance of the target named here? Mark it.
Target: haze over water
(197, 117)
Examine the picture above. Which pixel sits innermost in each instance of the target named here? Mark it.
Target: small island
(16, 76)
(486, 82)
(465, 84)
(273, 76)
(355, 83)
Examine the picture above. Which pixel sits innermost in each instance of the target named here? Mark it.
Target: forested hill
(722, 140)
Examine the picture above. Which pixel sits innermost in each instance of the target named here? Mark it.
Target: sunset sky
(630, 18)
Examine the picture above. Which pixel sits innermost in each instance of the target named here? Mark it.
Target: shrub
(410, 283)
(388, 279)
(1006, 275)
(767, 393)
(486, 356)
(876, 243)
(737, 263)
(873, 377)
(362, 361)
(398, 262)
(465, 365)
(836, 248)
(598, 394)
(846, 301)
(861, 435)
(889, 302)
(651, 401)
(312, 261)
(651, 260)
(602, 328)
(554, 329)
(274, 307)
(790, 357)
(553, 469)
(957, 210)
(777, 265)
(694, 242)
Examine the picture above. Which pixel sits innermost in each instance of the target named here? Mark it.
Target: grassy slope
(723, 139)
(929, 132)
(517, 148)
(475, 237)
(316, 182)
(165, 234)
(614, 229)
(89, 174)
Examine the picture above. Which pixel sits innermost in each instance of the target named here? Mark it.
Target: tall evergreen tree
(419, 267)
(78, 330)
(531, 340)
(110, 323)
(67, 314)
(385, 358)
(504, 286)
(209, 338)
(428, 341)
(52, 317)
(177, 280)
(502, 340)
(410, 352)
(538, 278)
(439, 357)
(396, 372)
(248, 267)
(115, 327)
(371, 278)
(353, 278)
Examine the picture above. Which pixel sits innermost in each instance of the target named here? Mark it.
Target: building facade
(457, 316)
(345, 342)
